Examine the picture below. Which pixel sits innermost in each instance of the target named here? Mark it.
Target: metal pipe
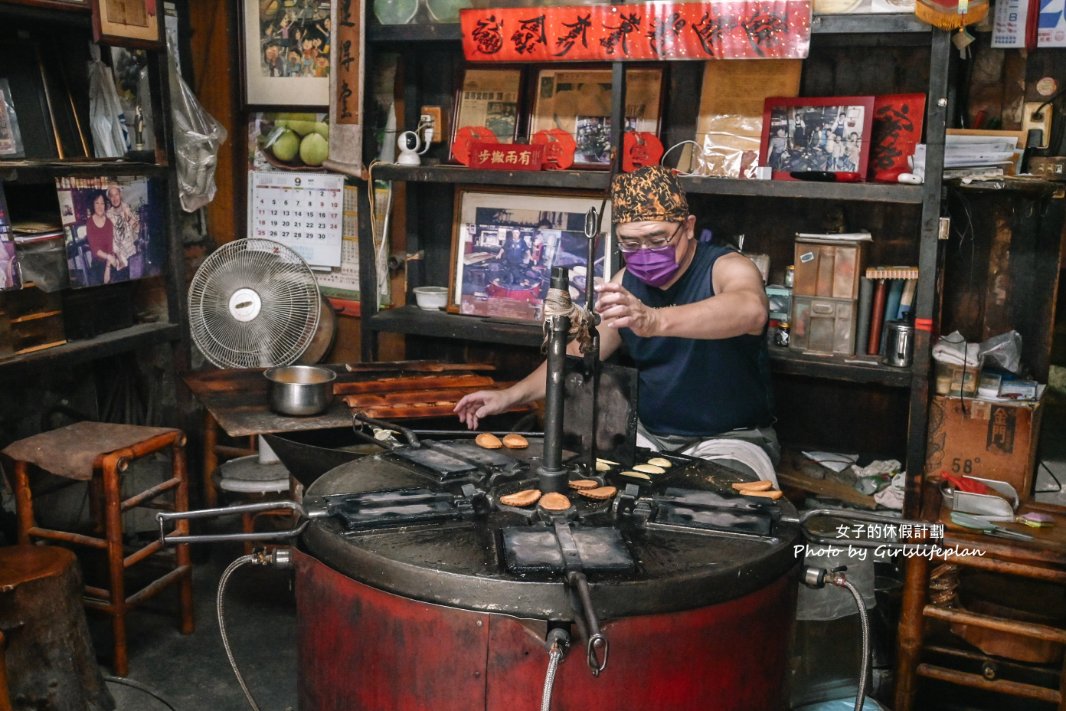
(551, 474)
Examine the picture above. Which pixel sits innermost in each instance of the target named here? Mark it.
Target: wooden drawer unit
(823, 325)
(828, 268)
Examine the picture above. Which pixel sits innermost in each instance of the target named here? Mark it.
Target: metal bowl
(300, 390)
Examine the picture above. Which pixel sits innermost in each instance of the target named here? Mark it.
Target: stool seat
(73, 451)
(99, 453)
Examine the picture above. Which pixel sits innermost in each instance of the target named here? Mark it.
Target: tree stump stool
(49, 657)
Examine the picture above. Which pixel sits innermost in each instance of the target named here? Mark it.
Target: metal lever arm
(296, 508)
(597, 643)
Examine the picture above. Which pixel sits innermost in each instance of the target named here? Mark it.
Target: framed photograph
(127, 23)
(506, 242)
(578, 101)
(10, 136)
(489, 97)
(817, 135)
(285, 52)
(114, 228)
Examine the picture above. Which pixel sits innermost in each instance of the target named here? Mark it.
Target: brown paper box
(985, 439)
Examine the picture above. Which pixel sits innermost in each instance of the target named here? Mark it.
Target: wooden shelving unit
(429, 186)
(68, 27)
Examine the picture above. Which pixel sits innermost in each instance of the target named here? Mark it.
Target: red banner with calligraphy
(730, 29)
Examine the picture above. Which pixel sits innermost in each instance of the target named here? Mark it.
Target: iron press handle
(175, 539)
(597, 641)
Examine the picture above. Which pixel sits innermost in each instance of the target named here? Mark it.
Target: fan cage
(288, 310)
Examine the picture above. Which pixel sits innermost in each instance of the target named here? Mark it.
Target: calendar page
(343, 282)
(303, 211)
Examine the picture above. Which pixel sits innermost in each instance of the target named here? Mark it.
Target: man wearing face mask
(692, 318)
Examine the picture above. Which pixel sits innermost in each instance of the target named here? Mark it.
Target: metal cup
(899, 344)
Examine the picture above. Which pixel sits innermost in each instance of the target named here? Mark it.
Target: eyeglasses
(630, 244)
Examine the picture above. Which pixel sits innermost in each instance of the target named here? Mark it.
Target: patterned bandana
(650, 194)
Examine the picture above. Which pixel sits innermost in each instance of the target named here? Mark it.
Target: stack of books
(886, 293)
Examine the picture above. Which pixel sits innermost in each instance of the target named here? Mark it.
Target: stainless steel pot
(300, 389)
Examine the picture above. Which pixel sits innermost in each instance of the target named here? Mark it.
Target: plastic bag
(1003, 351)
(105, 110)
(730, 147)
(197, 137)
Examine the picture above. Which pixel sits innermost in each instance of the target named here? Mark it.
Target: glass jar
(781, 335)
(790, 276)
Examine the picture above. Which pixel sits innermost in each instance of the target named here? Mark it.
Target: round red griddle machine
(450, 609)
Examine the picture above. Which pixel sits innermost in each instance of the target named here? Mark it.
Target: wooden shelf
(38, 170)
(856, 369)
(413, 321)
(904, 23)
(806, 189)
(51, 11)
(597, 180)
(419, 32)
(73, 352)
(820, 24)
(587, 179)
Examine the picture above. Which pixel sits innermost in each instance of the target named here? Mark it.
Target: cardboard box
(984, 438)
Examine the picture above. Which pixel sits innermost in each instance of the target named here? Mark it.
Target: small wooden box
(823, 325)
(828, 268)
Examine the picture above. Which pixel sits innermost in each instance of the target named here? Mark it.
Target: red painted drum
(449, 608)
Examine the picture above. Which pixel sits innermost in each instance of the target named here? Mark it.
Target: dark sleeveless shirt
(698, 387)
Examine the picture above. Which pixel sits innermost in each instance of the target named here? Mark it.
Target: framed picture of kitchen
(127, 23)
(285, 52)
(113, 228)
(505, 244)
(578, 101)
(806, 135)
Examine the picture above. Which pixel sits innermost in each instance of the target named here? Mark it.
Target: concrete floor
(192, 672)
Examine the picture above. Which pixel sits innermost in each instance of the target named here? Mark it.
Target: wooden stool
(49, 657)
(99, 453)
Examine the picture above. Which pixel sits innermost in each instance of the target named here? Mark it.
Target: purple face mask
(655, 266)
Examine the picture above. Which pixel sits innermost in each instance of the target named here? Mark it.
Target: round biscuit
(583, 484)
(487, 440)
(515, 441)
(526, 497)
(554, 502)
(600, 493)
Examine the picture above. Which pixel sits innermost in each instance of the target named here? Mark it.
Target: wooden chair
(1041, 559)
(99, 453)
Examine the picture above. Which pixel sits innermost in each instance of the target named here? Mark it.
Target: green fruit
(301, 127)
(314, 149)
(322, 129)
(286, 146)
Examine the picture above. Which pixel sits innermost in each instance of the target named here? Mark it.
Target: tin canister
(899, 344)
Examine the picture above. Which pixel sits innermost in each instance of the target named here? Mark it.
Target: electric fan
(253, 303)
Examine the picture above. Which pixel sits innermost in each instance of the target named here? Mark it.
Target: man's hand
(483, 403)
(620, 309)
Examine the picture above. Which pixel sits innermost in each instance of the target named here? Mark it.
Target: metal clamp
(597, 647)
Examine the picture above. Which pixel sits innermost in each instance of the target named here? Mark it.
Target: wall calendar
(303, 211)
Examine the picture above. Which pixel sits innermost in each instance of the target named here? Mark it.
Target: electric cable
(140, 687)
(230, 569)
